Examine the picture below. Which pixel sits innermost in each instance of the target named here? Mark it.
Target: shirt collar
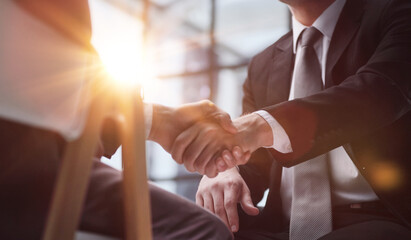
(325, 23)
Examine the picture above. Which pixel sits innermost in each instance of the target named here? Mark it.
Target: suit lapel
(279, 82)
(278, 90)
(345, 29)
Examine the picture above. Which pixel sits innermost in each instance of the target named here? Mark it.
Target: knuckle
(206, 102)
(215, 187)
(233, 185)
(226, 116)
(229, 203)
(209, 132)
(207, 189)
(208, 105)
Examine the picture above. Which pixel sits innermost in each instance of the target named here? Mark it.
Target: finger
(211, 169)
(221, 165)
(191, 156)
(246, 202)
(199, 199)
(219, 207)
(224, 120)
(239, 155)
(205, 158)
(182, 142)
(208, 202)
(244, 158)
(230, 205)
(208, 107)
(229, 159)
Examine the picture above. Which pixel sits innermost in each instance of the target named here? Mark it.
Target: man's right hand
(203, 145)
(221, 194)
(169, 122)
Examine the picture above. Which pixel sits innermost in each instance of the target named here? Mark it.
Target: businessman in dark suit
(330, 103)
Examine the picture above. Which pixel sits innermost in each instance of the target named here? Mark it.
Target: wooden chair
(71, 185)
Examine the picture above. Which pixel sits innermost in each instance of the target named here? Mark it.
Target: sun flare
(126, 64)
(121, 50)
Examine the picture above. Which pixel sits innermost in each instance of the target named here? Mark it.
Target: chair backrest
(71, 185)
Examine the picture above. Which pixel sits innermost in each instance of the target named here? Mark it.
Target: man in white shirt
(356, 124)
(45, 70)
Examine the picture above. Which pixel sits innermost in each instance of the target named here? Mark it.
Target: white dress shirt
(44, 77)
(347, 184)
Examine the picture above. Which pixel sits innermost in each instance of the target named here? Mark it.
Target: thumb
(210, 109)
(226, 123)
(247, 204)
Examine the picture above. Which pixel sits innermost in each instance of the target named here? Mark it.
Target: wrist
(162, 115)
(262, 131)
(235, 171)
(257, 132)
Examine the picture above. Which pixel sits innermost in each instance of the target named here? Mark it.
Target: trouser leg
(173, 217)
(29, 163)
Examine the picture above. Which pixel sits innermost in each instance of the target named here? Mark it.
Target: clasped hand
(203, 137)
(206, 147)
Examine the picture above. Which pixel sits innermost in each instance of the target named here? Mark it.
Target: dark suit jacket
(365, 106)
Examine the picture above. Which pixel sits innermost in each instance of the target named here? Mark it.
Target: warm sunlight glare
(121, 64)
(125, 62)
(118, 40)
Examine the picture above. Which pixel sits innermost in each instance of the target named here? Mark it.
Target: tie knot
(310, 36)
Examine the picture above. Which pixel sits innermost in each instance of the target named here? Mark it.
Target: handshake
(205, 139)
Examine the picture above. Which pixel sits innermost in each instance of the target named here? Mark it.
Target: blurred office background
(195, 49)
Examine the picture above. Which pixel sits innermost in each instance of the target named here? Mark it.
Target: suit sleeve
(256, 173)
(376, 96)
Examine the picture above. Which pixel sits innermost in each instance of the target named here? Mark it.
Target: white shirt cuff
(148, 117)
(281, 141)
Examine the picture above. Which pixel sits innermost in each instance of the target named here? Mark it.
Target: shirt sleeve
(281, 141)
